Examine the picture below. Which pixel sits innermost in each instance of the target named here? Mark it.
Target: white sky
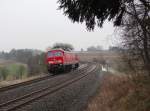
(38, 24)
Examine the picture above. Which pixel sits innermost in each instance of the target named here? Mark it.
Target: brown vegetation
(119, 93)
(99, 55)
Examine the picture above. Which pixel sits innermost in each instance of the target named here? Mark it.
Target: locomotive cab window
(49, 54)
(58, 54)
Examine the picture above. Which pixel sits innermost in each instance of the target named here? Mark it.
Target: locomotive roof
(60, 50)
(55, 49)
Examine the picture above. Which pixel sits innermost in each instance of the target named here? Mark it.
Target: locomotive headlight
(51, 62)
(59, 61)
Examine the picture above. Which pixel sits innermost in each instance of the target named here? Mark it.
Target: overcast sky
(38, 24)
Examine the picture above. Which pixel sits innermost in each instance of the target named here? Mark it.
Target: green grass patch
(13, 71)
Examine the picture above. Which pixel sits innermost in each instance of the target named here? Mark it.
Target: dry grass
(11, 82)
(118, 93)
(89, 56)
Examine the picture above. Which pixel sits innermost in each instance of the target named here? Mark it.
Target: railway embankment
(10, 82)
(119, 93)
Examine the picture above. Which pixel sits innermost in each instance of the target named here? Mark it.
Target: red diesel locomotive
(58, 59)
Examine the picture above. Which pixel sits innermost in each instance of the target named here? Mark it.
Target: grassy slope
(119, 93)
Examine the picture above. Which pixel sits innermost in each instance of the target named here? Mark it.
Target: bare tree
(136, 34)
(64, 46)
(93, 48)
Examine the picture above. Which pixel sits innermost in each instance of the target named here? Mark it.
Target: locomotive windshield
(58, 54)
(54, 54)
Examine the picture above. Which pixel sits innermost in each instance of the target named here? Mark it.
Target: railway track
(47, 76)
(26, 89)
(5, 88)
(26, 99)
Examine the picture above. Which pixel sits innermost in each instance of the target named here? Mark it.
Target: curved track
(26, 89)
(18, 102)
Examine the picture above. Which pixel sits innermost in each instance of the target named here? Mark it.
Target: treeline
(34, 59)
(99, 48)
(95, 48)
